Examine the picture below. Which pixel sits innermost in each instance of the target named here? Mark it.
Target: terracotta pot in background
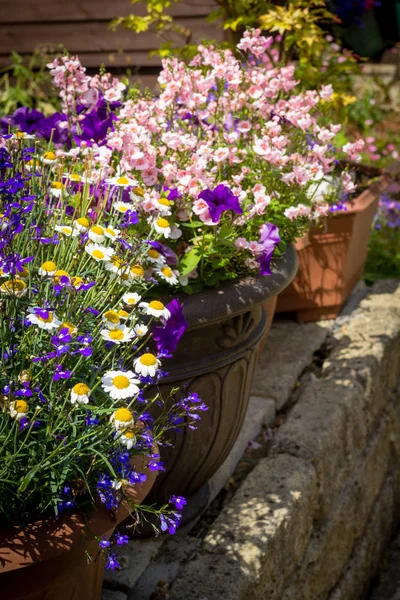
(46, 560)
(331, 260)
(216, 357)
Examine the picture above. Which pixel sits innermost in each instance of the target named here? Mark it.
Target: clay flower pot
(46, 560)
(331, 260)
(216, 357)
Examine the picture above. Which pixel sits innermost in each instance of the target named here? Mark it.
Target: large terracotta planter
(46, 560)
(331, 260)
(216, 358)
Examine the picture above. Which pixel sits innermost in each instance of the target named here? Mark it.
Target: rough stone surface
(135, 557)
(287, 344)
(367, 552)
(272, 515)
(388, 587)
(113, 595)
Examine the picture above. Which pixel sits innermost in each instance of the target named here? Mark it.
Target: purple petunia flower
(168, 336)
(219, 200)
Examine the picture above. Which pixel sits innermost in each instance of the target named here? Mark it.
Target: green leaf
(190, 261)
(192, 225)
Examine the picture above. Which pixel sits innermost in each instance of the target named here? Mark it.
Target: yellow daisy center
(81, 389)
(137, 271)
(98, 254)
(128, 433)
(49, 265)
(97, 229)
(138, 191)
(20, 134)
(123, 180)
(153, 253)
(66, 230)
(57, 185)
(76, 177)
(123, 414)
(83, 220)
(23, 272)
(149, 360)
(60, 273)
(67, 325)
(123, 314)
(14, 285)
(117, 334)
(48, 319)
(132, 301)
(121, 382)
(49, 156)
(166, 271)
(122, 209)
(156, 304)
(76, 281)
(21, 406)
(111, 316)
(110, 231)
(164, 202)
(163, 223)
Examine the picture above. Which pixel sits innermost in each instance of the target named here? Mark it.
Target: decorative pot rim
(47, 538)
(235, 296)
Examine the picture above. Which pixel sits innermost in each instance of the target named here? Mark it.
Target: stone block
(326, 427)
(258, 538)
(288, 350)
(366, 557)
(113, 595)
(134, 557)
(333, 538)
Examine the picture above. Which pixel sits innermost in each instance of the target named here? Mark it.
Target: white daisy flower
(57, 188)
(168, 275)
(122, 207)
(96, 234)
(127, 437)
(147, 364)
(45, 319)
(155, 257)
(48, 268)
(67, 230)
(122, 181)
(122, 418)
(131, 299)
(99, 253)
(163, 205)
(123, 314)
(111, 233)
(136, 195)
(162, 226)
(140, 330)
(82, 224)
(18, 409)
(116, 265)
(80, 394)
(14, 287)
(155, 308)
(111, 319)
(118, 335)
(49, 158)
(21, 135)
(120, 384)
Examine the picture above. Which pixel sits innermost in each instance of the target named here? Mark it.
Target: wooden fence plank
(92, 37)
(26, 11)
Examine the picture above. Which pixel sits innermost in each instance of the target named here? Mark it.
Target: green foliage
(383, 260)
(27, 84)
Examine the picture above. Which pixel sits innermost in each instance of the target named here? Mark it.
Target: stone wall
(311, 520)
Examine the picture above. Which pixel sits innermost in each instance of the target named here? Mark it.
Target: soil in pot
(216, 358)
(47, 560)
(331, 260)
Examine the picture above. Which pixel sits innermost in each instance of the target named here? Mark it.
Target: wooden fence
(82, 27)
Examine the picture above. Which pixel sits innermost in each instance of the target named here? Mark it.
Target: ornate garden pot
(46, 560)
(332, 259)
(216, 358)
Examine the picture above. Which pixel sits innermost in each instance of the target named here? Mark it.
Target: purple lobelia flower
(168, 336)
(219, 200)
